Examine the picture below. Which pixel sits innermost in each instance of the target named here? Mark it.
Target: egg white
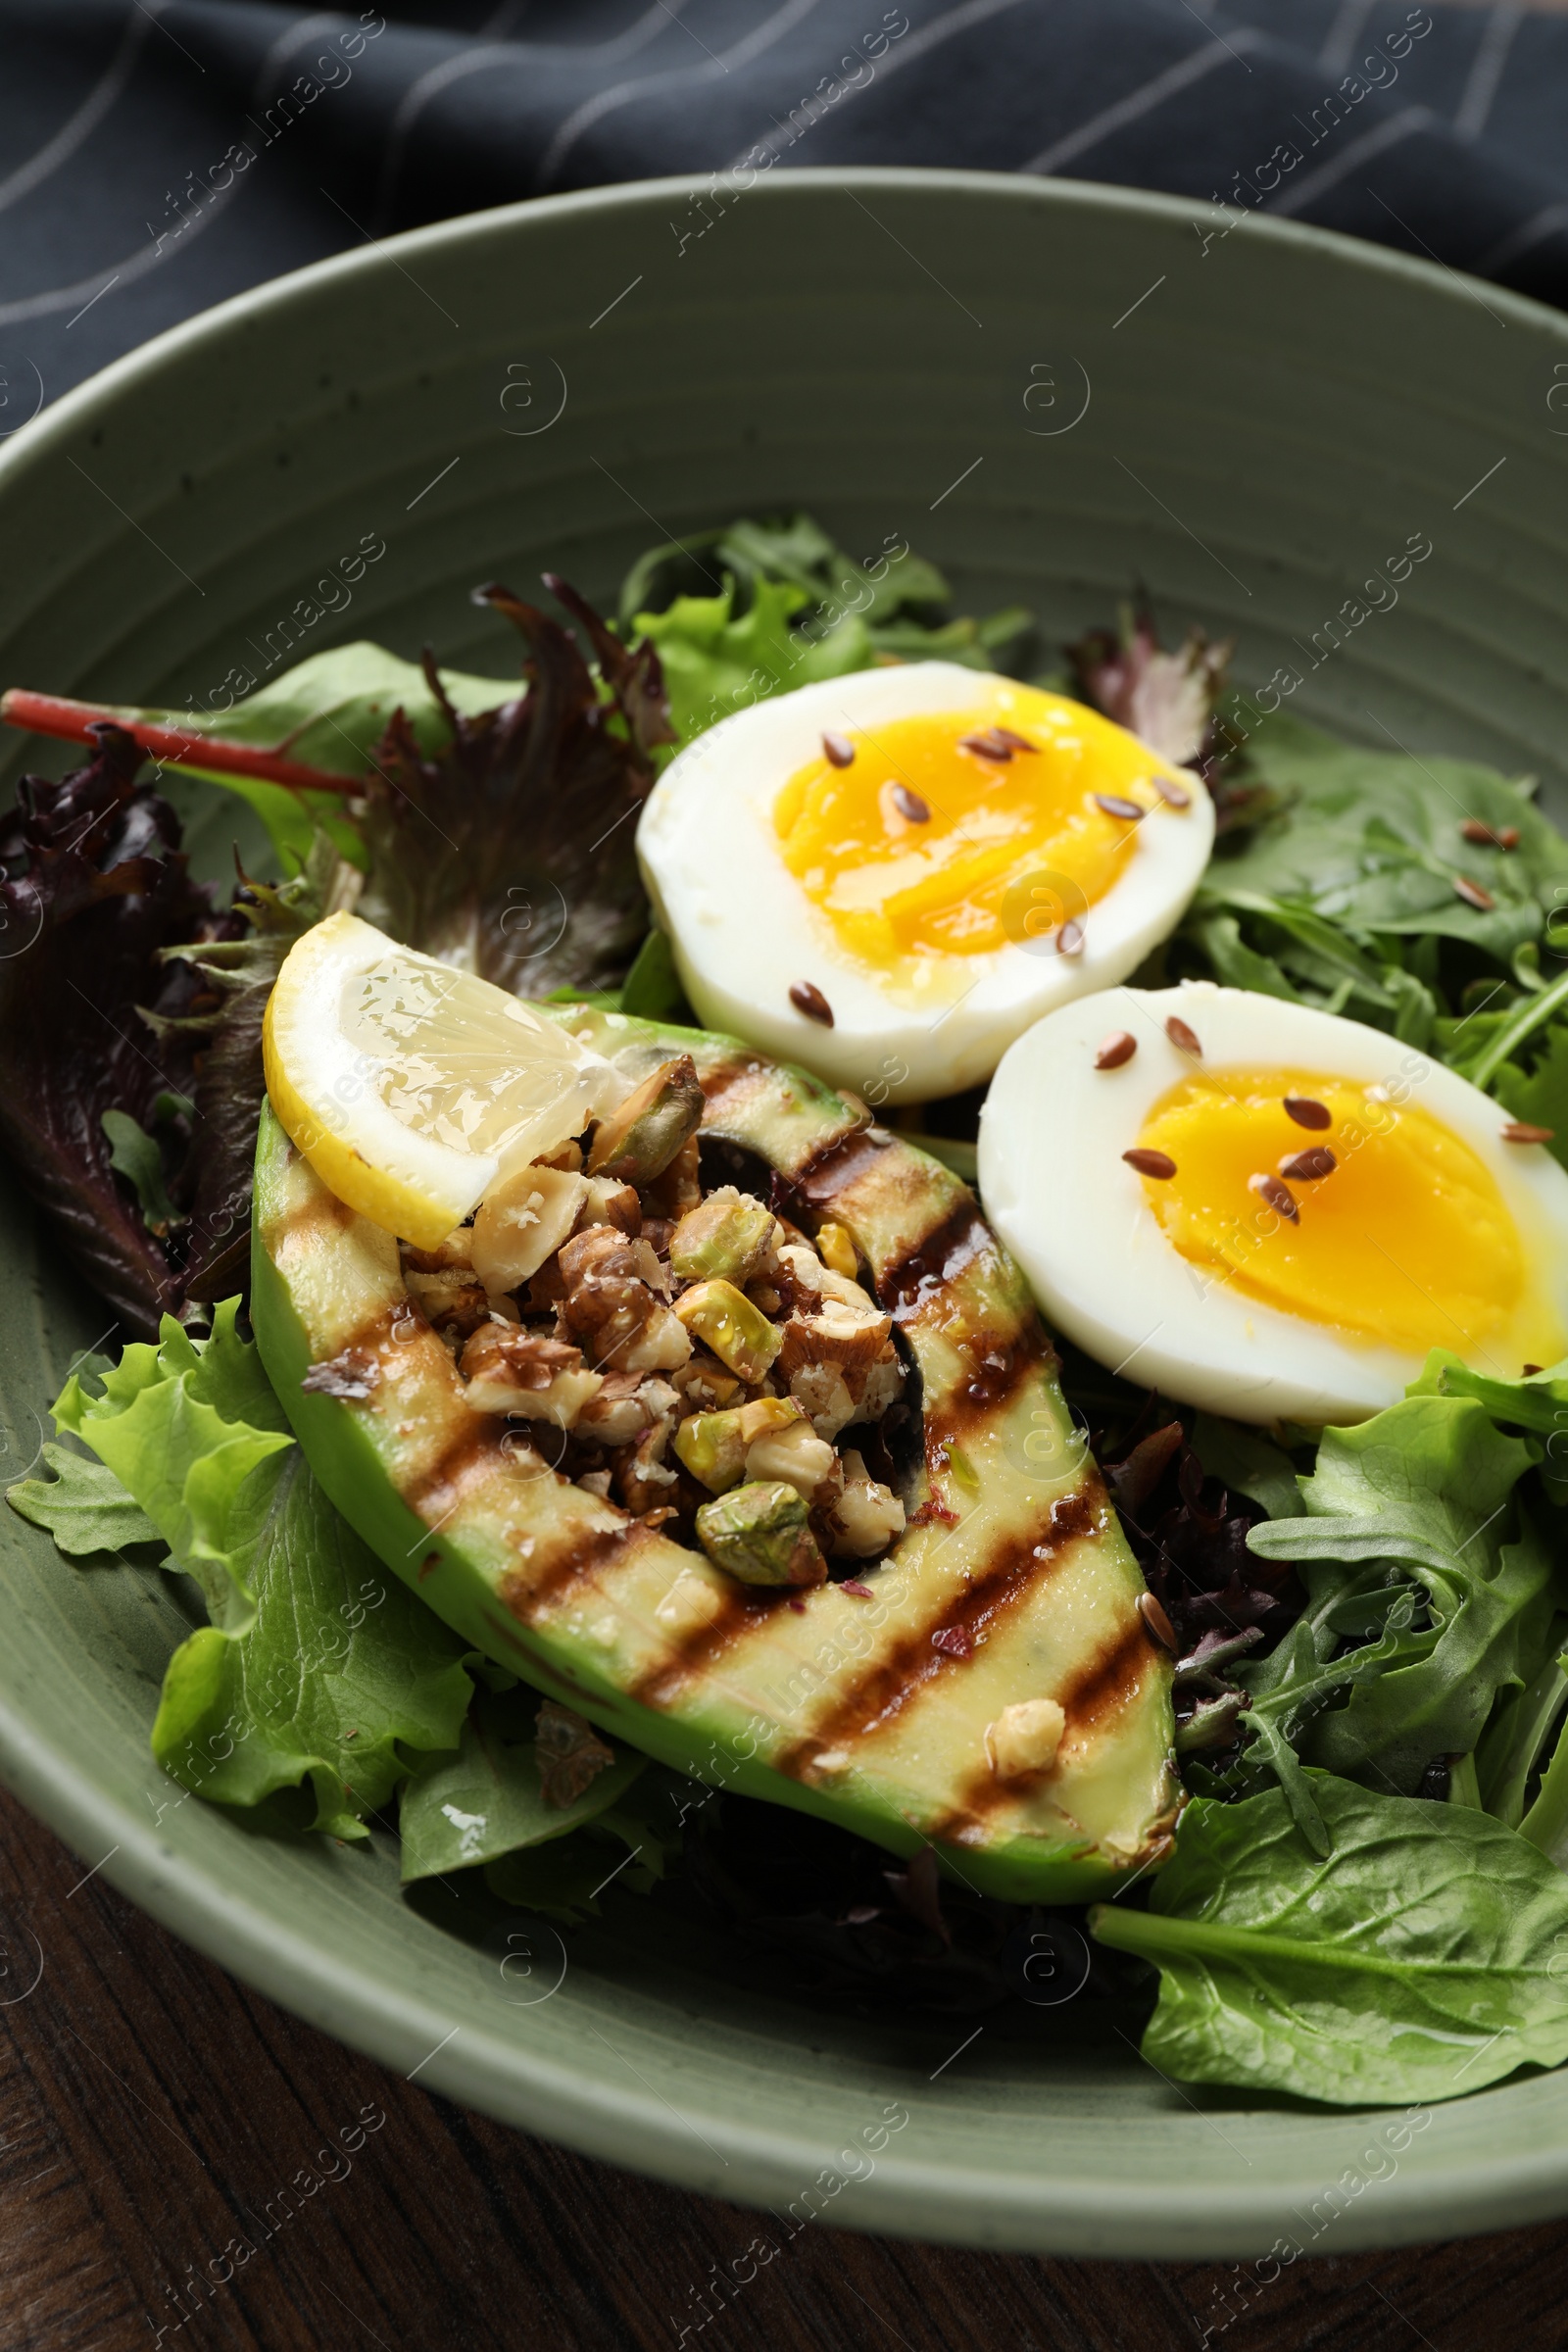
(744, 930)
(1076, 1217)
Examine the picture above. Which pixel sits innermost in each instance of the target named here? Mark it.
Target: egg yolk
(1404, 1238)
(940, 836)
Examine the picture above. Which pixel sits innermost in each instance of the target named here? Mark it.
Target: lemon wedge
(410, 1086)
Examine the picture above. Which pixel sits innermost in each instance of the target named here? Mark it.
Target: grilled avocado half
(876, 1703)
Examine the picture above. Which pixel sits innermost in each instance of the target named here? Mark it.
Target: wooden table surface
(152, 2110)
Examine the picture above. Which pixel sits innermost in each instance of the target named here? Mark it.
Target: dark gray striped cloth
(158, 154)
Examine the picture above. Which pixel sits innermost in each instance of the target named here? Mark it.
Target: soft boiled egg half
(1268, 1210)
(889, 876)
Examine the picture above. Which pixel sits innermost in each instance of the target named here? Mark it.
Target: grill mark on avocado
(320, 1208)
(453, 1466)
(737, 1614)
(575, 1555)
(947, 1251)
(1017, 1565)
(1108, 1680)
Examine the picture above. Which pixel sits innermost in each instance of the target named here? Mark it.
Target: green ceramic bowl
(1056, 391)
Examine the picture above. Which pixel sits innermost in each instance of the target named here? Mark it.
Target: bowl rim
(746, 2161)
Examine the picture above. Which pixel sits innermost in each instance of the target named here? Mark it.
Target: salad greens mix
(1369, 1890)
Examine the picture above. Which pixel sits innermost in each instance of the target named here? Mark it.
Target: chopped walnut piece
(571, 1755)
(823, 1396)
(510, 1370)
(625, 1405)
(610, 1302)
(451, 1299)
(642, 1478)
(793, 1456)
(610, 1203)
(863, 1517)
(837, 1355)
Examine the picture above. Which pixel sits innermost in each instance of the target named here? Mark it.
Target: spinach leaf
(1372, 840)
(628, 1845)
(319, 1665)
(488, 1799)
(1425, 1488)
(329, 713)
(1423, 1961)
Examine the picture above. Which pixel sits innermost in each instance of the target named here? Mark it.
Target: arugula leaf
(1419, 1964)
(1244, 1461)
(488, 1799)
(1539, 1096)
(795, 553)
(1426, 1488)
(134, 1154)
(318, 1666)
(83, 1506)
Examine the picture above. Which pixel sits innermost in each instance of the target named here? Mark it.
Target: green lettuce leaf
(488, 1798)
(716, 661)
(318, 1666)
(1426, 1491)
(1421, 1963)
(756, 609)
(83, 1506)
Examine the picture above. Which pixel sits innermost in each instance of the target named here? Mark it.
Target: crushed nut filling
(666, 1348)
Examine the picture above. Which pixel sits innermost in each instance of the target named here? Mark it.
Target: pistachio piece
(836, 1249)
(739, 1334)
(523, 1220)
(759, 1535)
(638, 1142)
(715, 1447)
(728, 1236)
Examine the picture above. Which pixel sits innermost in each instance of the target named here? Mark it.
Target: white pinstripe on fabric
(478, 59)
(930, 36)
(1140, 102)
(81, 126)
(1485, 71)
(594, 109)
(1300, 193)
